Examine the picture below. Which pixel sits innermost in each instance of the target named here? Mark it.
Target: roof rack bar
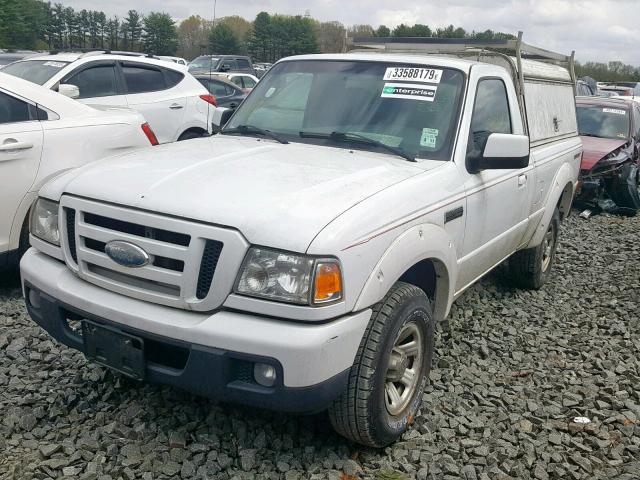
(454, 45)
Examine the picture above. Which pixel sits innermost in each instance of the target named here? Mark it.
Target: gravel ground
(513, 369)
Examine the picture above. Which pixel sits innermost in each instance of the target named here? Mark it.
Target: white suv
(174, 103)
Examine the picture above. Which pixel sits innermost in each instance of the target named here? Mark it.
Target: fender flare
(421, 242)
(564, 177)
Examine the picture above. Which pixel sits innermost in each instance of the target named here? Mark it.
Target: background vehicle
(221, 63)
(174, 103)
(244, 81)
(610, 133)
(43, 133)
(226, 93)
(584, 89)
(178, 60)
(261, 68)
(300, 259)
(13, 56)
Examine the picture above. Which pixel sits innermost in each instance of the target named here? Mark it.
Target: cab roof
(427, 60)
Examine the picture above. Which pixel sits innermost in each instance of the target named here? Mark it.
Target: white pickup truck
(301, 259)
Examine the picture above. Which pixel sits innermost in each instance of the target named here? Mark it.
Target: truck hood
(276, 195)
(594, 149)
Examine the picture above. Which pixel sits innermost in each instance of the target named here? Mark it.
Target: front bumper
(210, 354)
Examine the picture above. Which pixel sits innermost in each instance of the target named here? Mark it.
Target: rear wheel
(390, 371)
(530, 268)
(623, 188)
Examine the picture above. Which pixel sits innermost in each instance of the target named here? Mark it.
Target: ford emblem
(126, 254)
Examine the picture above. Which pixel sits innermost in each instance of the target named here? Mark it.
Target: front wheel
(530, 268)
(390, 372)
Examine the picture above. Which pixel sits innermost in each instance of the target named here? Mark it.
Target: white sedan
(43, 133)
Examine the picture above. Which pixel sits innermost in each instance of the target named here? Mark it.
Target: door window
(141, 78)
(490, 115)
(249, 82)
(243, 64)
(13, 110)
(98, 81)
(230, 62)
(237, 81)
(636, 121)
(217, 89)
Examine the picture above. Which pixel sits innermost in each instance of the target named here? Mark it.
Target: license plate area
(115, 349)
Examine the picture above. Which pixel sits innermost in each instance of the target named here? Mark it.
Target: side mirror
(225, 67)
(69, 90)
(221, 116)
(503, 151)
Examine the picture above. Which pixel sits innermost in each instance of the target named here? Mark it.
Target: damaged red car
(610, 132)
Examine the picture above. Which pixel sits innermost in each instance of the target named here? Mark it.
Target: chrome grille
(192, 265)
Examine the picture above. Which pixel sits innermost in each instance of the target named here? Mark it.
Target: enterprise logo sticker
(409, 91)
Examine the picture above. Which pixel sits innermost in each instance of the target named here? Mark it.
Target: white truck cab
(301, 259)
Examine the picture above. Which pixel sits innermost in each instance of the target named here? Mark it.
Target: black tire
(623, 188)
(361, 413)
(189, 135)
(530, 268)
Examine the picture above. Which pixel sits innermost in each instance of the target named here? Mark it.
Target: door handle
(233, 105)
(175, 106)
(522, 180)
(13, 145)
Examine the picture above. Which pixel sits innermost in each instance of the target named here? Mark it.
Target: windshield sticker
(614, 110)
(270, 92)
(429, 137)
(427, 75)
(54, 64)
(409, 91)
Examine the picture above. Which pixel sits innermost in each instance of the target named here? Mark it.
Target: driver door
(497, 200)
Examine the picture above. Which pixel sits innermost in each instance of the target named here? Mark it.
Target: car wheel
(623, 188)
(530, 268)
(189, 135)
(390, 372)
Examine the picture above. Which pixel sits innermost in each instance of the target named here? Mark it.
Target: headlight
(287, 277)
(44, 221)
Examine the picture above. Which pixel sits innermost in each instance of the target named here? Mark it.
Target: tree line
(36, 24)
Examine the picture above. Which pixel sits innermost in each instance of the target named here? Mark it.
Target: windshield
(204, 63)
(604, 122)
(408, 107)
(36, 71)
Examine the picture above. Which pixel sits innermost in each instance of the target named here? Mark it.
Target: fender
(421, 242)
(565, 175)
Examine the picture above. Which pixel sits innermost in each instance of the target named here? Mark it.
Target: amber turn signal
(328, 282)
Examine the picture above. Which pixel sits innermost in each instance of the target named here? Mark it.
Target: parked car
(42, 134)
(610, 133)
(13, 56)
(261, 68)
(244, 81)
(226, 93)
(178, 60)
(221, 63)
(616, 89)
(300, 259)
(584, 89)
(635, 86)
(174, 103)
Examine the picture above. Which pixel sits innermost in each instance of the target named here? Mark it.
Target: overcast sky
(599, 30)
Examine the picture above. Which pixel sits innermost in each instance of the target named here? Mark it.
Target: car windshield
(204, 63)
(412, 108)
(604, 122)
(36, 71)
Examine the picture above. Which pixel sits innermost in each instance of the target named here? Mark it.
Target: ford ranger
(301, 259)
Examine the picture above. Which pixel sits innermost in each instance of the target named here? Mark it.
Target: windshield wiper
(358, 138)
(250, 129)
